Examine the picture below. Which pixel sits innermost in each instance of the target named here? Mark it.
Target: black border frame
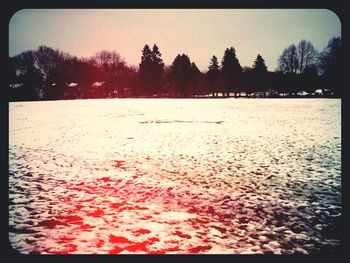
(339, 7)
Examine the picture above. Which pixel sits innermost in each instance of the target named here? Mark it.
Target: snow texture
(176, 176)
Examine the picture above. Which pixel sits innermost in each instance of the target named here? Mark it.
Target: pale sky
(199, 33)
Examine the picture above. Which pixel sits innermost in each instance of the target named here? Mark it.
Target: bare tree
(48, 59)
(112, 66)
(288, 61)
(307, 55)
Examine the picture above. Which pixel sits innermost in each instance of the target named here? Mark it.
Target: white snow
(175, 175)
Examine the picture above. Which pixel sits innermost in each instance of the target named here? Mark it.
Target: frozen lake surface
(175, 176)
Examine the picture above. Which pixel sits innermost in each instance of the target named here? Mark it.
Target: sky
(199, 33)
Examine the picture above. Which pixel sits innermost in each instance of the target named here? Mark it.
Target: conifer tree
(151, 70)
(213, 74)
(259, 65)
(231, 69)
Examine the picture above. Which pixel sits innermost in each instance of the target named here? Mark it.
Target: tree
(197, 83)
(25, 78)
(310, 79)
(158, 69)
(86, 73)
(231, 70)
(151, 70)
(329, 58)
(259, 65)
(330, 65)
(288, 61)
(112, 67)
(307, 55)
(181, 74)
(145, 71)
(128, 82)
(52, 65)
(258, 75)
(213, 75)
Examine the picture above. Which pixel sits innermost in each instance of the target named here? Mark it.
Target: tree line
(49, 74)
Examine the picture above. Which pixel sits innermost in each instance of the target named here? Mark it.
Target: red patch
(115, 250)
(117, 239)
(85, 226)
(145, 217)
(198, 249)
(105, 179)
(137, 247)
(153, 239)
(141, 231)
(182, 235)
(117, 205)
(100, 243)
(72, 219)
(69, 249)
(118, 164)
(66, 239)
(96, 213)
(157, 252)
(171, 249)
(78, 207)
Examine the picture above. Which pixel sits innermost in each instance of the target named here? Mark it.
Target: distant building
(258, 94)
(319, 92)
(302, 93)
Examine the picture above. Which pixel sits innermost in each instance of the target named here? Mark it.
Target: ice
(175, 176)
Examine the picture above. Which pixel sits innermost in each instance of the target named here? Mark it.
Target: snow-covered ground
(175, 176)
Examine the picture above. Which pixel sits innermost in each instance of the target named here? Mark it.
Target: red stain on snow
(117, 205)
(100, 243)
(96, 213)
(78, 207)
(141, 231)
(106, 179)
(199, 249)
(115, 250)
(68, 249)
(72, 219)
(182, 235)
(85, 226)
(170, 249)
(118, 239)
(118, 164)
(141, 246)
(145, 217)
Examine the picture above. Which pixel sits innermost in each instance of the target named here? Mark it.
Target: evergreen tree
(258, 75)
(231, 70)
(195, 71)
(213, 75)
(151, 70)
(158, 69)
(181, 73)
(145, 70)
(259, 65)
